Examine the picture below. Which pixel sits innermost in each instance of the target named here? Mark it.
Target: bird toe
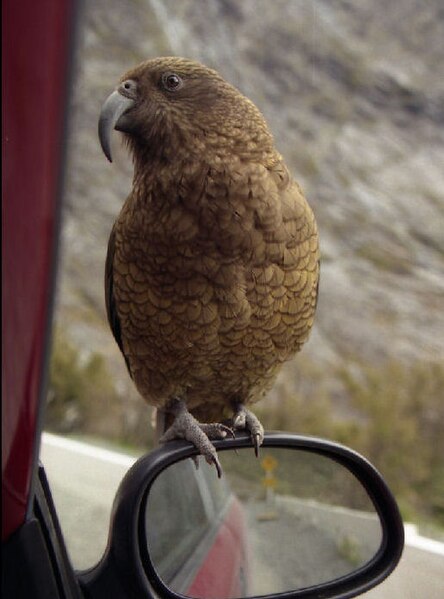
(245, 420)
(185, 426)
(216, 430)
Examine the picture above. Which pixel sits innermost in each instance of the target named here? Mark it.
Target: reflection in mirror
(288, 520)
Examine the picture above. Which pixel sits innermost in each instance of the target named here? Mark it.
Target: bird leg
(243, 419)
(185, 426)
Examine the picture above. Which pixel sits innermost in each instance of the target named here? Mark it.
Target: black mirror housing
(127, 570)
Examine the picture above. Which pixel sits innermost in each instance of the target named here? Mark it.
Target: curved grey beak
(113, 108)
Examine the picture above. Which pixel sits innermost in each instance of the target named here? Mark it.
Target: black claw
(229, 431)
(256, 443)
(218, 466)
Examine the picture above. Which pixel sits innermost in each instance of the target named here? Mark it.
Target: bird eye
(171, 82)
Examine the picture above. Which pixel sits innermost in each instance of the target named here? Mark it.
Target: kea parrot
(212, 270)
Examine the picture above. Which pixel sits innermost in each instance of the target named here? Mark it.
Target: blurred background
(354, 94)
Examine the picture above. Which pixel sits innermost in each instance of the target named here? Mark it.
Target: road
(84, 480)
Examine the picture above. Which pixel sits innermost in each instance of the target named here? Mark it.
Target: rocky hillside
(354, 93)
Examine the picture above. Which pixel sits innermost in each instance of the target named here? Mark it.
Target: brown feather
(213, 263)
(111, 311)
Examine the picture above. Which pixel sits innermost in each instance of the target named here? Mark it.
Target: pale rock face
(354, 99)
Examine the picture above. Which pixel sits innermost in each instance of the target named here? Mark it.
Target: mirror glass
(288, 520)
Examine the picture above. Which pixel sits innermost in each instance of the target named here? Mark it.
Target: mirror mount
(127, 564)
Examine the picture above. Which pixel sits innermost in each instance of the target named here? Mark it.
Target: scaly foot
(185, 426)
(243, 419)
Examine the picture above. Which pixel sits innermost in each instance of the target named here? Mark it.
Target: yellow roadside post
(269, 465)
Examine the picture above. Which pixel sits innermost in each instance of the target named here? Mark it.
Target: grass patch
(395, 417)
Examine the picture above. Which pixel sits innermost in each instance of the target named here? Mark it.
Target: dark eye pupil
(172, 81)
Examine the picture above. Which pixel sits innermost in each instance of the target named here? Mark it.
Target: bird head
(171, 106)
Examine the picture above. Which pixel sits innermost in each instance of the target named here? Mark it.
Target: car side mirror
(309, 518)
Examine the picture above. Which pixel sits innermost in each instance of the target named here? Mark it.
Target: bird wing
(111, 308)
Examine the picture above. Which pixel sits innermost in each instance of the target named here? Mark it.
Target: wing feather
(110, 300)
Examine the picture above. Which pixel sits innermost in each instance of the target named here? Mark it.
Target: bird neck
(161, 170)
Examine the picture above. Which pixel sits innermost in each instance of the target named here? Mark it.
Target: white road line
(89, 450)
(412, 538)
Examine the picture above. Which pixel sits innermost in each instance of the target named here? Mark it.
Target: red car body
(230, 548)
(36, 44)
(37, 54)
